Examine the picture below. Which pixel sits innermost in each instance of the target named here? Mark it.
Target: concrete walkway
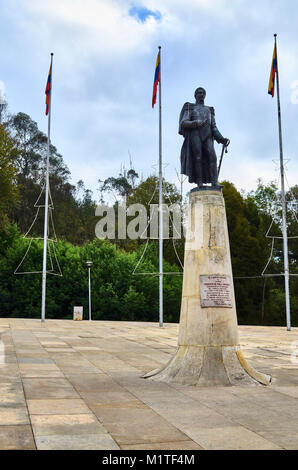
(78, 385)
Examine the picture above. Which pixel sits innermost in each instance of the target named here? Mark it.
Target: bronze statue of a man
(198, 127)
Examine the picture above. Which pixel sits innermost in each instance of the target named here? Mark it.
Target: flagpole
(283, 199)
(160, 205)
(46, 208)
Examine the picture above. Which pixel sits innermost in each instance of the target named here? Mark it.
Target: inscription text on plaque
(215, 290)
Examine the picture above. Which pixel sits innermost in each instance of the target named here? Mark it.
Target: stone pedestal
(208, 346)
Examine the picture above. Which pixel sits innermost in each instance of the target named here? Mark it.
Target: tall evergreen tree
(8, 176)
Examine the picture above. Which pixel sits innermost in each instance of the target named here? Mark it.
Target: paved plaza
(78, 385)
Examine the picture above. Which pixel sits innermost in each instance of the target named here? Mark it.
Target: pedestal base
(209, 366)
(208, 344)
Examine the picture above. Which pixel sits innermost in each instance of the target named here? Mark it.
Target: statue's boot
(199, 186)
(214, 175)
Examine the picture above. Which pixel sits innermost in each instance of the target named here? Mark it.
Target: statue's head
(200, 93)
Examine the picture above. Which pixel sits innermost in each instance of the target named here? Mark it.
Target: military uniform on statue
(198, 127)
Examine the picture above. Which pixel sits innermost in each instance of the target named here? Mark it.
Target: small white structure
(78, 313)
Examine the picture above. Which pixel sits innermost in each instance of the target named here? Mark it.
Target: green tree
(32, 150)
(74, 217)
(147, 193)
(267, 200)
(8, 178)
(122, 185)
(117, 294)
(249, 252)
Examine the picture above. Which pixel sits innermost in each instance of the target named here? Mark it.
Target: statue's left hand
(226, 141)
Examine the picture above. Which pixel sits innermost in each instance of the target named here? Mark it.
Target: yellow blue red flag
(48, 90)
(156, 80)
(272, 72)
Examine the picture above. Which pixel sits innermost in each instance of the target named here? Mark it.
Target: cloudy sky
(104, 60)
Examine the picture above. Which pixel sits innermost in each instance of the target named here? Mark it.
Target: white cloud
(103, 74)
(223, 9)
(97, 26)
(87, 28)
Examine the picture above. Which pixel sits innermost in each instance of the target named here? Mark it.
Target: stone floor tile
(76, 442)
(7, 370)
(42, 388)
(103, 397)
(103, 362)
(94, 382)
(79, 424)
(13, 415)
(229, 438)
(6, 389)
(137, 426)
(177, 445)
(16, 379)
(12, 395)
(287, 440)
(38, 373)
(183, 418)
(291, 391)
(35, 360)
(16, 438)
(57, 350)
(257, 418)
(60, 406)
(78, 370)
(8, 358)
(51, 367)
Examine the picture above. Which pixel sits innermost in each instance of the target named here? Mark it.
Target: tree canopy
(117, 292)
(8, 176)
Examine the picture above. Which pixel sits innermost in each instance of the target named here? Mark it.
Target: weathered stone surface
(16, 438)
(43, 388)
(142, 414)
(48, 425)
(13, 415)
(230, 438)
(183, 445)
(59, 406)
(208, 345)
(137, 425)
(76, 442)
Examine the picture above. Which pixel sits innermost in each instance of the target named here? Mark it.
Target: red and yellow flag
(272, 72)
(156, 80)
(48, 90)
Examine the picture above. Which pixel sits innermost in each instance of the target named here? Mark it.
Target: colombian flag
(48, 90)
(272, 72)
(156, 80)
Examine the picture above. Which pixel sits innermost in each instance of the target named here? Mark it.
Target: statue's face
(200, 95)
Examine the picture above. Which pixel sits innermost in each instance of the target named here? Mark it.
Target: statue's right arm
(185, 121)
(189, 124)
